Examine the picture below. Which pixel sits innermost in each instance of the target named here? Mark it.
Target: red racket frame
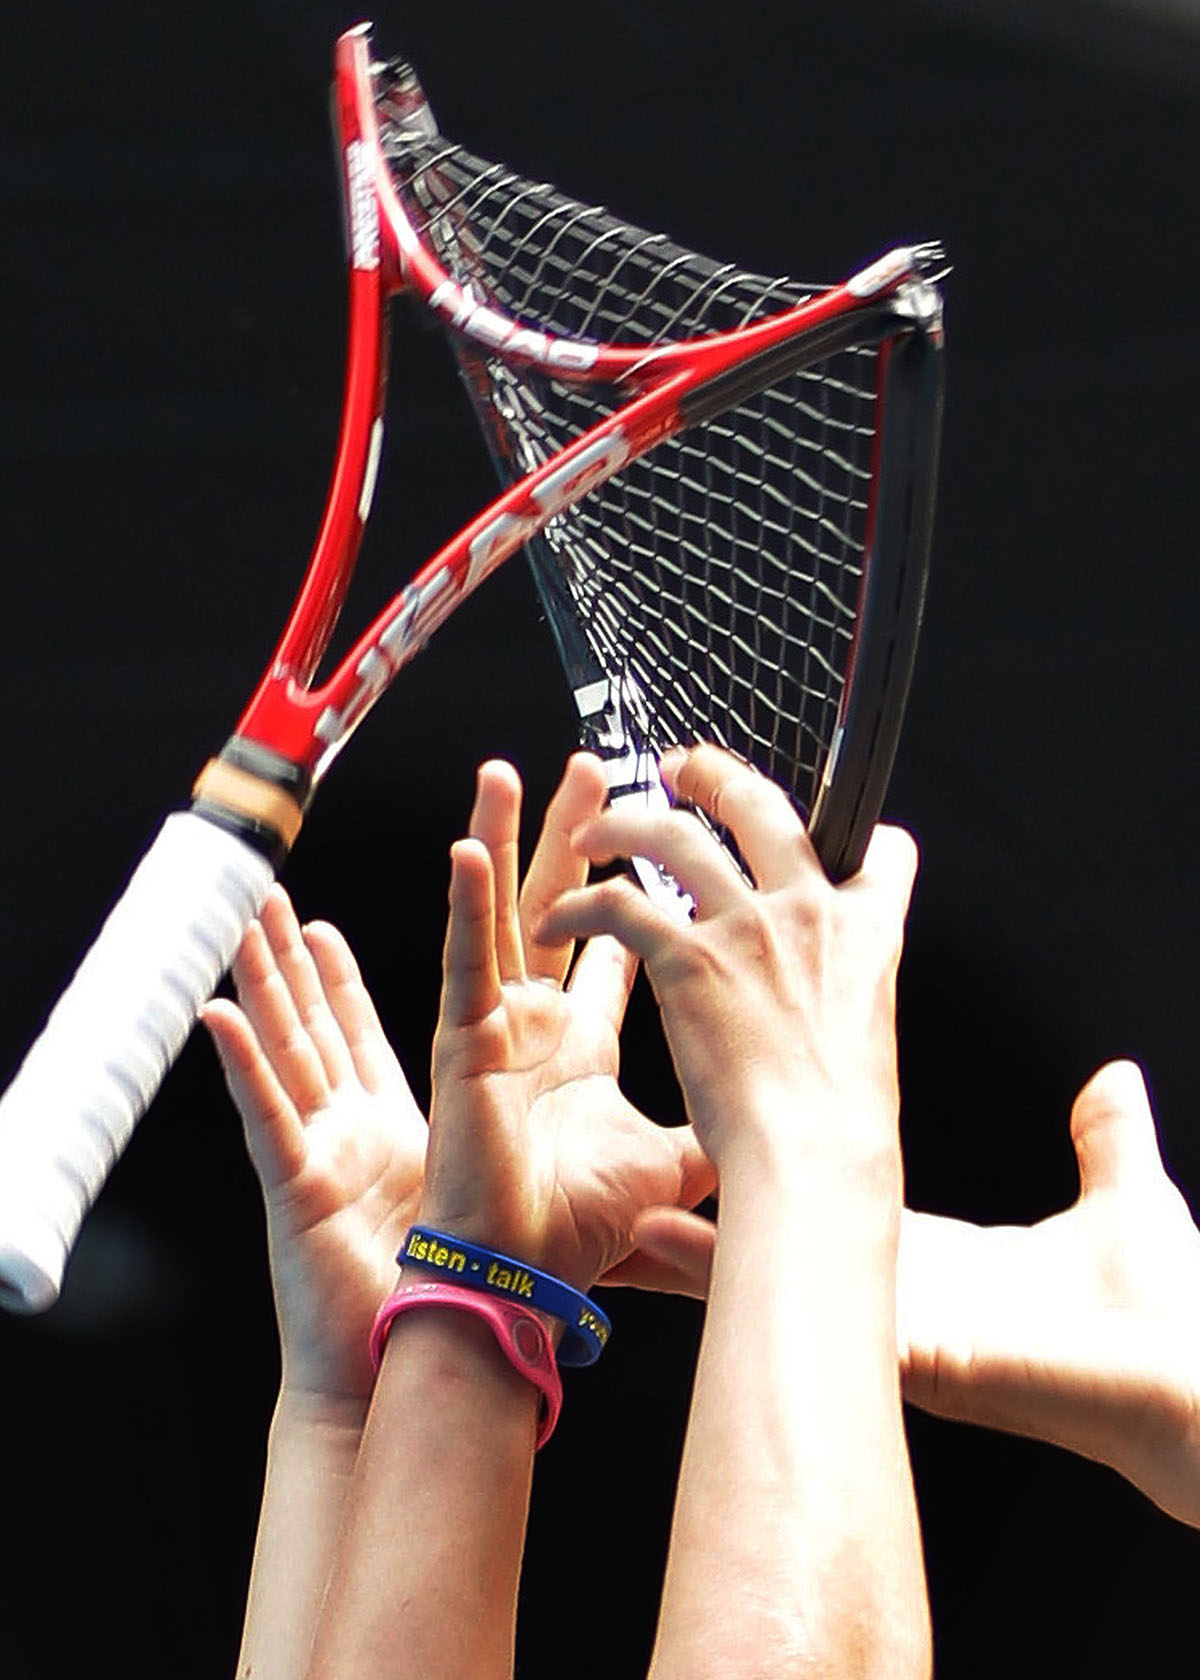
(123, 1017)
(308, 724)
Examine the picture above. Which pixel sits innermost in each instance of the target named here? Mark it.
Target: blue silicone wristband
(587, 1328)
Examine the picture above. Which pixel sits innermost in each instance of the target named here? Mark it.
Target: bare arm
(425, 1578)
(795, 1499)
(533, 1152)
(795, 1549)
(311, 1454)
(1081, 1330)
(338, 1145)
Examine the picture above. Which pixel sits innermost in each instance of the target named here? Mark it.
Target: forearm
(795, 1548)
(310, 1462)
(426, 1574)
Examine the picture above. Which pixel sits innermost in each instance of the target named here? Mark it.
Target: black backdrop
(171, 308)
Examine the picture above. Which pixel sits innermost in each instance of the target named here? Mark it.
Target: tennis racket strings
(726, 492)
(711, 589)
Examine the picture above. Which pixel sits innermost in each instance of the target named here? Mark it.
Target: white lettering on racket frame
(498, 333)
(404, 632)
(557, 491)
(420, 609)
(363, 206)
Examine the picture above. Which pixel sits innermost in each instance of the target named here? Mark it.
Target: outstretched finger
(556, 865)
(496, 819)
(471, 978)
(295, 963)
(603, 978)
(270, 1008)
(756, 811)
(1113, 1130)
(274, 1131)
(375, 1063)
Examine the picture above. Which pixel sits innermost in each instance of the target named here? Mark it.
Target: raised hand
(533, 1148)
(795, 1498)
(1083, 1329)
(335, 1136)
(779, 996)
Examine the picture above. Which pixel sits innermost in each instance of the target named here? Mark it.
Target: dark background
(171, 305)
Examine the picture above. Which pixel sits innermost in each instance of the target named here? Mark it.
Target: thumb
(1112, 1128)
(673, 1254)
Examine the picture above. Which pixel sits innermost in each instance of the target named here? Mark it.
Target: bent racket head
(725, 482)
(757, 578)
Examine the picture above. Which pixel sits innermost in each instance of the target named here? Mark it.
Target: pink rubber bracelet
(521, 1335)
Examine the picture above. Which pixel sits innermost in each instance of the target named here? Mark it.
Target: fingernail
(671, 762)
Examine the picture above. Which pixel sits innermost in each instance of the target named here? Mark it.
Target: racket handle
(110, 1040)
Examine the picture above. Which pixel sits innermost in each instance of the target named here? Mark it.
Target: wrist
(314, 1434)
(799, 1108)
(333, 1416)
(449, 1366)
(581, 1328)
(844, 1144)
(517, 1331)
(789, 1214)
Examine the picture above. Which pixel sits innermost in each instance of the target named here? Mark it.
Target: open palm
(1083, 1329)
(533, 1147)
(334, 1133)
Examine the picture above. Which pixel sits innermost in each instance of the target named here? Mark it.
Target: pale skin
(338, 1144)
(1080, 1330)
(541, 1151)
(340, 1148)
(533, 1152)
(795, 1506)
(335, 1136)
(1120, 1269)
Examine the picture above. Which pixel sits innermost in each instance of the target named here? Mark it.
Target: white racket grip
(115, 1031)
